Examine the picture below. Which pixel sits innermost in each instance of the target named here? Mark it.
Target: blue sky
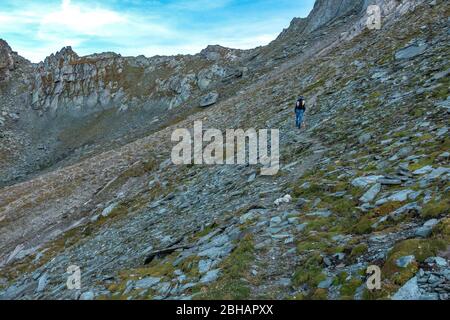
(37, 28)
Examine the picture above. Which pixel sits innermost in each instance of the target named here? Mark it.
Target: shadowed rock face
(325, 11)
(68, 103)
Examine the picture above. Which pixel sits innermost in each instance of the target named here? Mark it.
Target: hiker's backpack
(299, 105)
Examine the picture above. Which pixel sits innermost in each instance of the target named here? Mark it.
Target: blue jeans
(299, 117)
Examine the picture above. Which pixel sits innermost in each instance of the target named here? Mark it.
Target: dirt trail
(276, 257)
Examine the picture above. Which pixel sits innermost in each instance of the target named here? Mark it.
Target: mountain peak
(325, 11)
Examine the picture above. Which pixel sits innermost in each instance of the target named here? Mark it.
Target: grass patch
(363, 226)
(207, 230)
(320, 294)
(435, 209)
(348, 289)
(344, 206)
(443, 230)
(420, 164)
(310, 272)
(157, 268)
(359, 250)
(387, 208)
(313, 189)
(420, 249)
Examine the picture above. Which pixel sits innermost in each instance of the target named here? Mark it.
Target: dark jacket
(300, 106)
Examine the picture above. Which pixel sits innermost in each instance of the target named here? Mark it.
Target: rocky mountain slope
(368, 177)
(111, 100)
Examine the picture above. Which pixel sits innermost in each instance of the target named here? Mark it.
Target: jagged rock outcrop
(80, 85)
(325, 12)
(6, 60)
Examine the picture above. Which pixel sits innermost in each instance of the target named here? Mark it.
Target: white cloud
(75, 24)
(5, 19)
(83, 21)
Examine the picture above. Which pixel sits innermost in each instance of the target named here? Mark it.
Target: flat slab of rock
(365, 181)
(211, 276)
(411, 51)
(321, 213)
(386, 181)
(425, 230)
(410, 291)
(399, 196)
(371, 194)
(423, 170)
(436, 173)
(42, 283)
(147, 282)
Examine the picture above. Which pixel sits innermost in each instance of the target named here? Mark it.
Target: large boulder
(371, 194)
(411, 51)
(209, 99)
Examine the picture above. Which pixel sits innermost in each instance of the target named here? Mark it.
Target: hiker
(299, 111)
